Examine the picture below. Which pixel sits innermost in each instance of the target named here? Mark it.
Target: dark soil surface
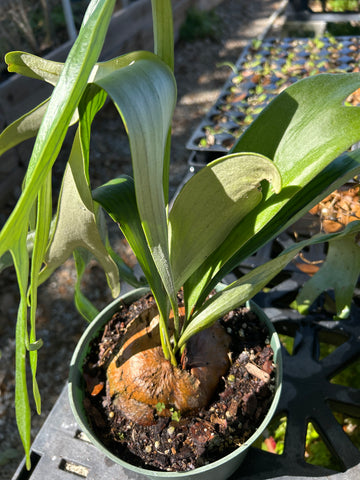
(187, 441)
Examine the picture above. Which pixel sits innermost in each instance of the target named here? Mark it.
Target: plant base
(181, 443)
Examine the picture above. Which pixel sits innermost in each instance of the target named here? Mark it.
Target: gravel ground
(59, 325)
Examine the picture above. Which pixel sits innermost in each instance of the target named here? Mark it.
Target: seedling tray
(262, 72)
(327, 11)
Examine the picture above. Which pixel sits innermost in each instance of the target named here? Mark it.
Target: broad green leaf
(211, 204)
(310, 129)
(33, 66)
(76, 222)
(247, 286)
(117, 197)
(62, 105)
(333, 176)
(340, 272)
(26, 127)
(146, 106)
(302, 132)
(125, 272)
(23, 128)
(91, 102)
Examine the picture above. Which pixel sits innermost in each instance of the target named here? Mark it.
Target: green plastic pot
(220, 469)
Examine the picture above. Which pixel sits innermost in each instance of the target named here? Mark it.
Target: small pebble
(171, 430)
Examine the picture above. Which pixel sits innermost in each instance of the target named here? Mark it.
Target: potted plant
(223, 214)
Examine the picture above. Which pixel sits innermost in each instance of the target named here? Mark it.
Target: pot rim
(75, 389)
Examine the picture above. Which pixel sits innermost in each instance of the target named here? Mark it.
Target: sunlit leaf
(163, 28)
(22, 406)
(62, 105)
(42, 231)
(211, 204)
(302, 132)
(23, 128)
(163, 31)
(117, 197)
(91, 102)
(146, 106)
(76, 210)
(33, 66)
(247, 286)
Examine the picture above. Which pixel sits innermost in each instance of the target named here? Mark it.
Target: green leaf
(83, 305)
(62, 105)
(33, 66)
(163, 31)
(26, 127)
(125, 272)
(333, 176)
(144, 92)
(35, 346)
(310, 130)
(247, 286)
(302, 132)
(117, 197)
(91, 102)
(22, 406)
(23, 128)
(340, 271)
(42, 231)
(163, 27)
(211, 204)
(76, 222)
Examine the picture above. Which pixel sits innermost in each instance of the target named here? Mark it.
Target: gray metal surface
(60, 453)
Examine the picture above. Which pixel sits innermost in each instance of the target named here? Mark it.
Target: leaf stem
(168, 350)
